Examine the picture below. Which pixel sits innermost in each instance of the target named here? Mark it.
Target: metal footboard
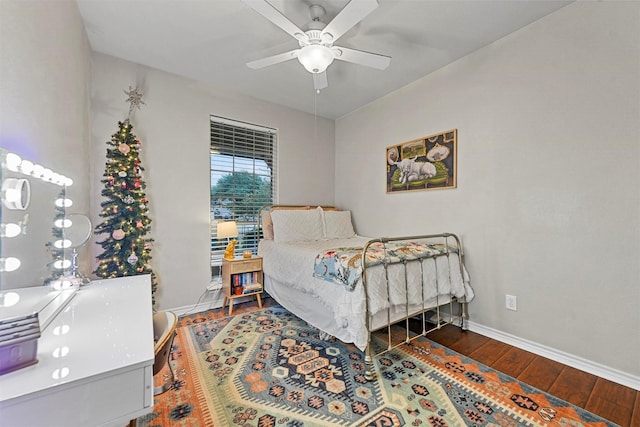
(451, 241)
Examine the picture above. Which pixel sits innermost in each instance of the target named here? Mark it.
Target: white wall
(44, 90)
(548, 201)
(173, 127)
(44, 87)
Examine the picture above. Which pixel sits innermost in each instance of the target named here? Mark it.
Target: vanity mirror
(38, 240)
(33, 197)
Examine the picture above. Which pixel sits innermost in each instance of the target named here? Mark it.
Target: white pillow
(337, 225)
(297, 225)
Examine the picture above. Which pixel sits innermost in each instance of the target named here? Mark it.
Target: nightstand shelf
(241, 277)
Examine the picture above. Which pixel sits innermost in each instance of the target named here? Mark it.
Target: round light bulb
(62, 223)
(13, 162)
(62, 244)
(61, 284)
(26, 167)
(64, 203)
(37, 171)
(60, 373)
(62, 264)
(60, 352)
(47, 174)
(9, 264)
(61, 330)
(7, 299)
(11, 230)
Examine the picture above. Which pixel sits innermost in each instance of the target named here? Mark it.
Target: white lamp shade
(227, 229)
(315, 58)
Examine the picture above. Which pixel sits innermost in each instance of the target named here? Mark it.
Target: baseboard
(210, 299)
(585, 365)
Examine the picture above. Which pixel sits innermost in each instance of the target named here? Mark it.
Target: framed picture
(428, 163)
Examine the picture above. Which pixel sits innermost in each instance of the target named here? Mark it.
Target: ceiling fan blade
(353, 12)
(274, 15)
(361, 57)
(320, 80)
(272, 60)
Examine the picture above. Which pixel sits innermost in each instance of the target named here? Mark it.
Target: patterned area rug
(269, 368)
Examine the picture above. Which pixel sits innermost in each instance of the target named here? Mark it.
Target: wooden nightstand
(241, 277)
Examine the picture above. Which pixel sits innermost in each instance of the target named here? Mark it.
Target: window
(243, 171)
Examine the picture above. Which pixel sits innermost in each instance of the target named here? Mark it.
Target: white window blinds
(243, 171)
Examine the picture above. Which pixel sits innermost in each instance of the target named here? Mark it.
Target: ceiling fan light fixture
(315, 58)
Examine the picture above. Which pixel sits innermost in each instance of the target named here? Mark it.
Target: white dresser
(95, 361)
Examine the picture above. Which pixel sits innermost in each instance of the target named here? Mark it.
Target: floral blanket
(344, 265)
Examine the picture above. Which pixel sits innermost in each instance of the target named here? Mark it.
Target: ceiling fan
(316, 50)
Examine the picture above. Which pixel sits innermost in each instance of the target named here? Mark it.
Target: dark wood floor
(612, 401)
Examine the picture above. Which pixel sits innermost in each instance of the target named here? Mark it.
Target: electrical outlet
(511, 302)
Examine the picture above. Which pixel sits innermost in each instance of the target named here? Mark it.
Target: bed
(312, 265)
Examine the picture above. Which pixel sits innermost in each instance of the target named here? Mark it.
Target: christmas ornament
(118, 234)
(128, 200)
(123, 185)
(139, 224)
(122, 174)
(133, 258)
(136, 184)
(111, 179)
(124, 148)
(142, 206)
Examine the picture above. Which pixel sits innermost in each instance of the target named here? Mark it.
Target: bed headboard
(264, 216)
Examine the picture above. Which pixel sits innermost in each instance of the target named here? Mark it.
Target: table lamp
(227, 230)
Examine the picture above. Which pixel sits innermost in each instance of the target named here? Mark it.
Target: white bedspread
(292, 264)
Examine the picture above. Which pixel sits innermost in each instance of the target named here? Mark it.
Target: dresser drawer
(245, 265)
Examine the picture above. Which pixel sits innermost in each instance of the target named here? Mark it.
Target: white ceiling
(211, 40)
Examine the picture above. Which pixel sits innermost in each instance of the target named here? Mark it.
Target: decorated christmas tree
(126, 248)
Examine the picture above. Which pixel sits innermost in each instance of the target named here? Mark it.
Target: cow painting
(427, 163)
(410, 170)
